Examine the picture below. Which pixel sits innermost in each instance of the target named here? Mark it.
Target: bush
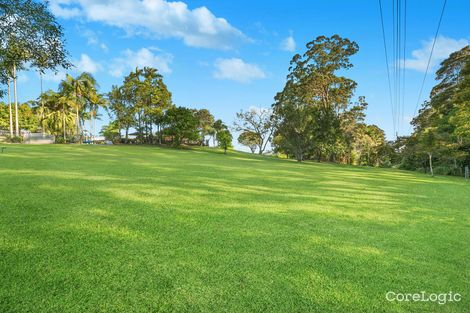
(445, 170)
(59, 140)
(15, 139)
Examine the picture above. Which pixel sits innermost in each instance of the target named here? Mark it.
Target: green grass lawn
(145, 229)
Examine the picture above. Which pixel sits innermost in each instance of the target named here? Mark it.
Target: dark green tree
(181, 125)
(307, 112)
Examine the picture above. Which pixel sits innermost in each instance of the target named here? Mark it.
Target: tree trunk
(430, 164)
(9, 108)
(63, 123)
(78, 122)
(42, 106)
(17, 127)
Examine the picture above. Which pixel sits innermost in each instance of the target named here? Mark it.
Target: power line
(398, 55)
(404, 64)
(387, 65)
(394, 79)
(430, 56)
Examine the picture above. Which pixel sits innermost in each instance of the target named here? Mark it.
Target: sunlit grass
(144, 229)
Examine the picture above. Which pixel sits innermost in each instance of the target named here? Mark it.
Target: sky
(228, 56)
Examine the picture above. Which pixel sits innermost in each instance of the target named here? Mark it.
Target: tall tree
(439, 137)
(307, 111)
(80, 92)
(206, 122)
(120, 111)
(30, 34)
(147, 94)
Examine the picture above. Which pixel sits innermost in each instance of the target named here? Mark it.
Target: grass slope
(143, 229)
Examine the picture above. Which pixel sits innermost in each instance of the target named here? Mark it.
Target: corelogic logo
(423, 296)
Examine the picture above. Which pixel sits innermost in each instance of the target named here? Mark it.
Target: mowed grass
(146, 229)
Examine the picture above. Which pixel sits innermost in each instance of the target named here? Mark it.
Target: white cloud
(92, 38)
(197, 27)
(443, 47)
(64, 8)
(86, 64)
(288, 44)
(237, 70)
(129, 60)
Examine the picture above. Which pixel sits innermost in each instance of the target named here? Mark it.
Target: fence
(37, 138)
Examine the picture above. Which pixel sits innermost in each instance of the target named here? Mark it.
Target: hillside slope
(138, 229)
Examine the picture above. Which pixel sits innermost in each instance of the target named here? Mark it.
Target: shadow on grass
(192, 233)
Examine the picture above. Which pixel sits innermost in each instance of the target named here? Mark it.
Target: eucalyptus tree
(441, 136)
(257, 121)
(120, 110)
(307, 111)
(29, 34)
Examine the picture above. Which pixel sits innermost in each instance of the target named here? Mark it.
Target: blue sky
(230, 55)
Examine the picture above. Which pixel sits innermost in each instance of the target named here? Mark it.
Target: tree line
(30, 37)
(440, 142)
(316, 116)
(144, 103)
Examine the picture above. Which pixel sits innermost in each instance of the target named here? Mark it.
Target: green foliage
(441, 130)
(313, 115)
(181, 125)
(206, 122)
(224, 139)
(60, 140)
(14, 139)
(144, 97)
(111, 132)
(30, 33)
(249, 139)
(27, 117)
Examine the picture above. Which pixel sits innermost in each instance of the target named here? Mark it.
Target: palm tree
(96, 102)
(57, 112)
(79, 92)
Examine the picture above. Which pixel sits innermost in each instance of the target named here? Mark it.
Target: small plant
(15, 139)
(59, 140)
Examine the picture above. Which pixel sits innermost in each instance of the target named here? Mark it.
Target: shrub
(15, 139)
(59, 140)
